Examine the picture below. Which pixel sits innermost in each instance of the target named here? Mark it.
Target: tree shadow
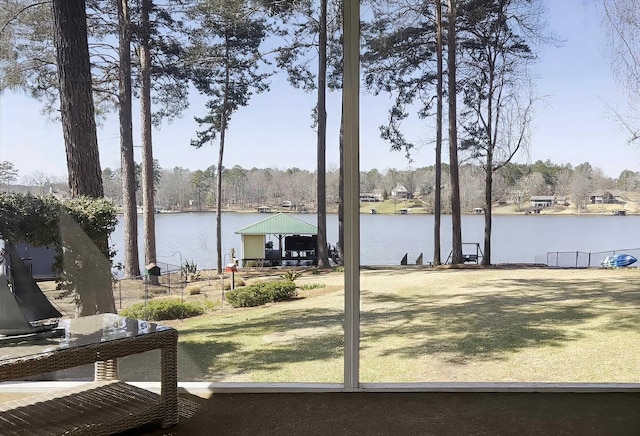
(482, 325)
(485, 321)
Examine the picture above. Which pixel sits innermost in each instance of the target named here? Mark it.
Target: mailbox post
(232, 268)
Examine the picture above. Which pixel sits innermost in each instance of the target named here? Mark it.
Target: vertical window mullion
(351, 165)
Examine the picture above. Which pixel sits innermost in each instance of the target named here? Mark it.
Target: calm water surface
(386, 238)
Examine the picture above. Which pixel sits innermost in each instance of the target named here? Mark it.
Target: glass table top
(78, 332)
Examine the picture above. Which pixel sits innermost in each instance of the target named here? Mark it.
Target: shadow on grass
(274, 343)
(492, 320)
(488, 325)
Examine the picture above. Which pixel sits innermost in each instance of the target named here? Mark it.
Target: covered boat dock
(297, 242)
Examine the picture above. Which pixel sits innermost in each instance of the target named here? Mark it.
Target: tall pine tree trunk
(438, 188)
(340, 244)
(147, 152)
(130, 216)
(488, 186)
(223, 131)
(456, 219)
(81, 142)
(76, 98)
(323, 254)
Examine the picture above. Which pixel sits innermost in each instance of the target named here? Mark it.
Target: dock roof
(279, 224)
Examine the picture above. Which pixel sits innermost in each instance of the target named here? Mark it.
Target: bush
(194, 290)
(290, 275)
(309, 286)
(226, 285)
(189, 271)
(248, 296)
(280, 291)
(261, 293)
(165, 309)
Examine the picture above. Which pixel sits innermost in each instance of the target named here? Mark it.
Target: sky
(573, 123)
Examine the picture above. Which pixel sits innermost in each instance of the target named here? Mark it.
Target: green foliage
(262, 293)
(8, 173)
(189, 271)
(291, 275)
(78, 228)
(233, 74)
(309, 286)
(338, 269)
(246, 297)
(165, 309)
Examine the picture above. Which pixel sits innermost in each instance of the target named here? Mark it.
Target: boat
(617, 261)
(24, 309)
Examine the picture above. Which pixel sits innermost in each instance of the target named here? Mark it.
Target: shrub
(194, 290)
(247, 296)
(189, 271)
(227, 284)
(280, 291)
(165, 309)
(261, 293)
(309, 286)
(290, 275)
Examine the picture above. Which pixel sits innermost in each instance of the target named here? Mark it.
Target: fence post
(589, 263)
(577, 259)
(169, 278)
(557, 257)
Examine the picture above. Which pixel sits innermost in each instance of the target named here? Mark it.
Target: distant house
(399, 192)
(370, 197)
(538, 201)
(606, 197)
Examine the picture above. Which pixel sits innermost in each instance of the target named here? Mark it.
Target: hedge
(165, 309)
(262, 293)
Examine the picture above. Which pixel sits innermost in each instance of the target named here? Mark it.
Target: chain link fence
(581, 259)
(171, 281)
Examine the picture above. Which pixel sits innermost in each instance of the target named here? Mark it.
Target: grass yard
(425, 325)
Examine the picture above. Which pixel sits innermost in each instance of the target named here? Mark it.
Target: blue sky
(572, 125)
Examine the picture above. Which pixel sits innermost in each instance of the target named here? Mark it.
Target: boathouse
(297, 242)
(538, 201)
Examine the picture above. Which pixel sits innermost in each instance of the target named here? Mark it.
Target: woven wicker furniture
(105, 406)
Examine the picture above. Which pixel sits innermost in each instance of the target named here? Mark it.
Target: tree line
(180, 189)
(84, 58)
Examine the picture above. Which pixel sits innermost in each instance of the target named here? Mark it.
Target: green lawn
(471, 325)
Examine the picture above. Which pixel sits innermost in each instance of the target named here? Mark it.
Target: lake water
(386, 238)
